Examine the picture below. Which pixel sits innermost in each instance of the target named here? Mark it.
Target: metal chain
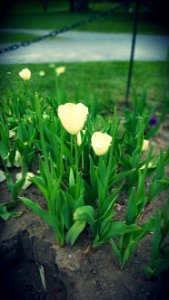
(64, 29)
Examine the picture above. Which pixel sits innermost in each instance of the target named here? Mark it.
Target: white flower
(17, 159)
(25, 74)
(46, 116)
(11, 134)
(73, 116)
(145, 145)
(100, 142)
(150, 165)
(2, 176)
(27, 182)
(42, 73)
(60, 70)
(80, 136)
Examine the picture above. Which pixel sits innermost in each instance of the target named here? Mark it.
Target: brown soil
(71, 273)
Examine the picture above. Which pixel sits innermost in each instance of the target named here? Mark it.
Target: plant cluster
(85, 162)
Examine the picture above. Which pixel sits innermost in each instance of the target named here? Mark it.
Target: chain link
(64, 29)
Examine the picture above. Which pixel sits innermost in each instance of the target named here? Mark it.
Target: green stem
(61, 156)
(76, 165)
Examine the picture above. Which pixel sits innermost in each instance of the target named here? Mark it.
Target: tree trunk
(45, 5)
(78, 5)
(72, 5)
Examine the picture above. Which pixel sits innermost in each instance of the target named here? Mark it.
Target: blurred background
(23, 20)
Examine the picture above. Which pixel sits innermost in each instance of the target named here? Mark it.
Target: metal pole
(135, 26)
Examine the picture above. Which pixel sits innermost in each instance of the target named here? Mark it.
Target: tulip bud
(60, 70)
(25, 74)
(17, 159)
(11, 134)
(73, 116)
(2, 176)
(153, 120)
(42, 73)
(27, 182)
(100, 142)
(145, 145)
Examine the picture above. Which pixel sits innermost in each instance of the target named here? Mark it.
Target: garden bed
(33, 266)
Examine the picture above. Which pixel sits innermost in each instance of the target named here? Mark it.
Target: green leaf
(109, 202)
(157, 236)
(85, 213)
(149, 272)
(132, 210)
(39, 182)
(4, 214)
(75, 231)
(115, 249)
(120, 176)
(71, 178)
(157, 187)
(101, 192)
(54, 196)
(116, 228)
(46, 216)
(68, 209)
(4, 149)
(15, 188)
(129, 250)
(93, 177)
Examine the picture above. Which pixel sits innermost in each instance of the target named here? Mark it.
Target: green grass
(119, 22)
(105, 80)
(15, 37)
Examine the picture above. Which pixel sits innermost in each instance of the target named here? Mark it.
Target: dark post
(135, 25)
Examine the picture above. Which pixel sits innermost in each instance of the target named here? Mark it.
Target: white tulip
(42, 73)
(73, 116)
(150, 165)
(11, 134)
(27, 182)
(100, 142)
(17, 159)
(25, 74)
(145, 145)
(60, 70)
(2, 176)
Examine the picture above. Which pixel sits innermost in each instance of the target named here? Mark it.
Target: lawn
(15, 37)
(82, 81)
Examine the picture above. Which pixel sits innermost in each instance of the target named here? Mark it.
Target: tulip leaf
(46, 216)
(132, 210)
(85, 213)
(75, 231)
(4, 149)
(71, 178)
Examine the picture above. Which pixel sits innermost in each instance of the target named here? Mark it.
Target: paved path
(87, 46)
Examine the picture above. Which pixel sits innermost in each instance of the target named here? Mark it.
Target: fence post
(135, 25)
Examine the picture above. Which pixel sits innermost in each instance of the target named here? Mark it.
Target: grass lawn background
(81, 81)
(31, 15)
(104, 80)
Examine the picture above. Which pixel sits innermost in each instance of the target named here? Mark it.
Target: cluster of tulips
(73, 117)
(84, 161)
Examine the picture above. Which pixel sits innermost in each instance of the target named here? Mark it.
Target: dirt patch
(33, 266)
